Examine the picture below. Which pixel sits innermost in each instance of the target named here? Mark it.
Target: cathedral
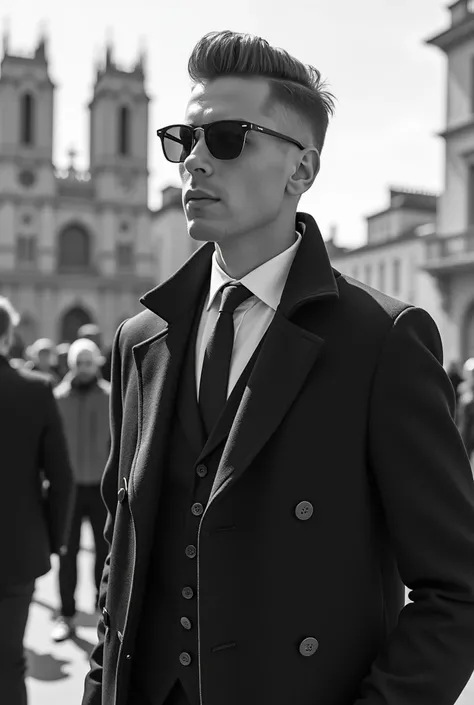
(75, 247)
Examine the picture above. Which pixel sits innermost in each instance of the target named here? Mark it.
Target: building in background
(172, 245)
(74, 247)
(450, 252)
(394, 256)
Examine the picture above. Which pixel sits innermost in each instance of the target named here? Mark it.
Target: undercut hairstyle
(293, 85)
(9, 318)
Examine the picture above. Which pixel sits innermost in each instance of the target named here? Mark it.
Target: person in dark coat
(38, 492)
(83, 400)
(284, 455)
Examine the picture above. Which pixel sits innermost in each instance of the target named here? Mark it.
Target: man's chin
(201, 231)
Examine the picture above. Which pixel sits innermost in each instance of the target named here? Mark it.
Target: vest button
(197, 509)
(122, 493)
(201, 470)
(187, 593)
(191, 551)
(308, 646)
(186, 623)
(185, 658)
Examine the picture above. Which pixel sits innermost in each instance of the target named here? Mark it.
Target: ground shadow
(86, 619)
(83, 644)
(42, 603)
(44, 667)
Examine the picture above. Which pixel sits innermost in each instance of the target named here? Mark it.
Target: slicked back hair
(294, 85)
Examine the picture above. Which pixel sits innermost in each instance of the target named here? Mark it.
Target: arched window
(70, 323)
(74, 248)
(27, 119)
(124, 131)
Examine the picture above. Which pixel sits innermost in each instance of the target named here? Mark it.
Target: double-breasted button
(191, 551)
(185, 658)
(197, 509)
(304, 510)
(309, 646)
(185, 622)
(201, 470)
(187, 593)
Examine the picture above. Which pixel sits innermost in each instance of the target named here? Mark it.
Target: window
(26, 250)
(27, 118)
(382, 276)
(396, 276)
(124, 131)
(74, 248)
(368, 274)
(125, 255)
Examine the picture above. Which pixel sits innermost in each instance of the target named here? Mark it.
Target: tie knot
(232, 296)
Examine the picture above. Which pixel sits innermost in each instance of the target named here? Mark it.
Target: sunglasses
(225, 139)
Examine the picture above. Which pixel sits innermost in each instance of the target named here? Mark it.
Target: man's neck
(239, 256)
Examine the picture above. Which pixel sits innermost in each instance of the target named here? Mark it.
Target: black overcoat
(33, 523)
(349, 409)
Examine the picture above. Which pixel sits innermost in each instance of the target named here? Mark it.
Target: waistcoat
(167, 636)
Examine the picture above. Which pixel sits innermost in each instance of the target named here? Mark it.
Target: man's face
(251, 188)
(86, 366)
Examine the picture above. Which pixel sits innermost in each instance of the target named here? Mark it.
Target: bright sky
(390, 86)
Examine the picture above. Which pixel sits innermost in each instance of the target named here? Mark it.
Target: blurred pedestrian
(83, 399)
(466, 409)
(91, 331)
(42, 358)
(34, 517)
(62, 351)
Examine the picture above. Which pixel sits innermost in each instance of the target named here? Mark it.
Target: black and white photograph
(237, 353)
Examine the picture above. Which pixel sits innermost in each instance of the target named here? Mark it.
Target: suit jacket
(34, 521)
(347, 409)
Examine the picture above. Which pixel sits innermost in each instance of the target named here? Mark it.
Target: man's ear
(305, 172)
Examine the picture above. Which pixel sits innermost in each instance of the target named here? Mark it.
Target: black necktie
(218, 355)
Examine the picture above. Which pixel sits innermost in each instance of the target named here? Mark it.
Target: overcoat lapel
(288, 354)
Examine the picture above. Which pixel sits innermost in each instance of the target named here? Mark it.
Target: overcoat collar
(268, 395)
(311, 277)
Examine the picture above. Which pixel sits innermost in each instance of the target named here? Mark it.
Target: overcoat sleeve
(93, 681)
(426, 489)
(56, 468)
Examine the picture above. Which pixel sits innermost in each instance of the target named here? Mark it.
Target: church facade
(75, 247)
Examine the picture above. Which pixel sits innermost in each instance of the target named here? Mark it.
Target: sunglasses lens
(225, 140)
(177, 143)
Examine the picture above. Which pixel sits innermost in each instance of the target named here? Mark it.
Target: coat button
(201, 470)
(197, 509)
(187, 593)
(309, 646)
(304, 510)
(191, 551)
(185, 658)
(185, 622)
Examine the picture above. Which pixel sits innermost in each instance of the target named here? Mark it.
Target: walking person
(33, 522)
(284, 454)
(83, 399)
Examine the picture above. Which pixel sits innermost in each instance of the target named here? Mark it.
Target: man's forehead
(225, 97)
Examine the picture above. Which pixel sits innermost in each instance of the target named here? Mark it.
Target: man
(32, 525)
(263, 519)
(42, 358)
(91, 331)
(83, 399)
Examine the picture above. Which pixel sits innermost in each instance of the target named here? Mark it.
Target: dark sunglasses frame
(245, 126)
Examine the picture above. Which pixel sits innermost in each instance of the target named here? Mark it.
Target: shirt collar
(266, 282)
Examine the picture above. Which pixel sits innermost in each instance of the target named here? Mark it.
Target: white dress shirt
(252, 317)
